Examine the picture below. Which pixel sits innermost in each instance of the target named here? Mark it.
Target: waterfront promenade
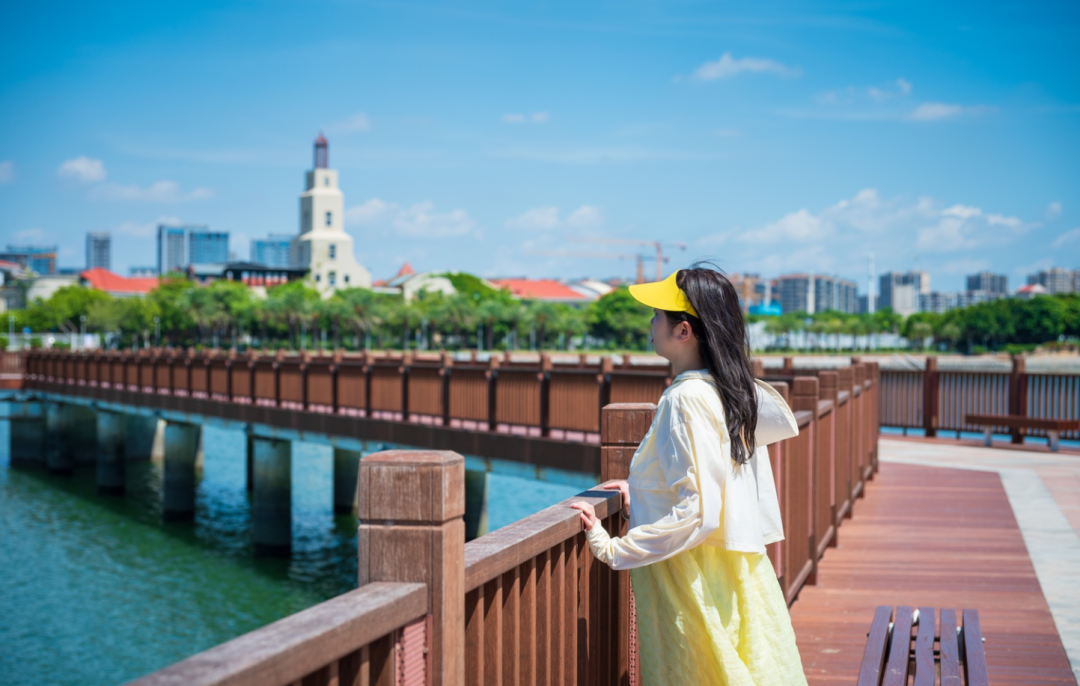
(949, 524)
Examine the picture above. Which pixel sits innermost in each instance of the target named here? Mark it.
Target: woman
(702, 502)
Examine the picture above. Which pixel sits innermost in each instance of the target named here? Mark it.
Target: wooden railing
(528, 603)
(11, 369)
(536, 396)
(936, 400)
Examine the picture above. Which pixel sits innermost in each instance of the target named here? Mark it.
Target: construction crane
(657, 245)
(602, 256)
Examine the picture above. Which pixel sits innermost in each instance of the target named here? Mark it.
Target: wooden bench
(936, 658)
(1052, 427)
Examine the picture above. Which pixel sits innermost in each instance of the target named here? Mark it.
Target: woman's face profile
(667, 339)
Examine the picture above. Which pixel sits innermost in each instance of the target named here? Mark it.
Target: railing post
(545, 395)
(493, 392)
(305, 361)
(829, 387)
(1018, 394)
(804, 396)
(278, 357)
(777, 461)
(604, 379)
(403, 370)
(334, 401)
(622, 427)
(789, 366)
(411, 506)
(445, 364)
(930, 397)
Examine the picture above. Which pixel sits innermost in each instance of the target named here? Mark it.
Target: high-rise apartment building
(98, 250)
(37, 258)
(207, 247)
(812, 293)
(901, 291)
(835, 294)
(272, 251)
(171, 249)
(993, 285)
(1056, 280)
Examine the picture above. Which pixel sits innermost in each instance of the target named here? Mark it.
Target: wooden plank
(950, 651)
(511, 584)
(876, 644)
(974, 655)
(925, 674)
(897, 664)
(493, 632)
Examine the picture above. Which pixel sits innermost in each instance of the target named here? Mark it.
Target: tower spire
(322, 152)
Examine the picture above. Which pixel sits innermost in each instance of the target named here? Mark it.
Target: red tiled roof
(104, 280)
(538, 289)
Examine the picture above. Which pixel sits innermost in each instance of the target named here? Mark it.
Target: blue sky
(772, 137)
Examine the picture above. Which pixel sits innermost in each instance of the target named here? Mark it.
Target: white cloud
(357, 123)
(897, 230)
(369, 212)
(549, 217)
(416, 221)
(538, 218)
(936, 111)
(519, 118)
(7, 171)
(1070, 236)
(159, 191)
(586, 216)
(728, 66)
(83, 169)
(903, 89)
(1053, 210)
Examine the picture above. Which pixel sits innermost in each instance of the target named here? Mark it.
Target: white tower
(323, 247)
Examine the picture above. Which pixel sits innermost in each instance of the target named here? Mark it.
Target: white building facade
(323, 246)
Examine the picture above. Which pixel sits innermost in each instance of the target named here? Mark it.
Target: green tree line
(224, 313)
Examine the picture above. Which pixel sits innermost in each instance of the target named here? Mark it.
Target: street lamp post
(82, 331)
(157, 332)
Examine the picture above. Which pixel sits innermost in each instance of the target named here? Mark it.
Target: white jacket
(685, 489)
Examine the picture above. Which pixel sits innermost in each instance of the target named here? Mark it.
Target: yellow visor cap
(663, 295)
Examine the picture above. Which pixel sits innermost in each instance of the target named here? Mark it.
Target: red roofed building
(102, 279)
(548, 290)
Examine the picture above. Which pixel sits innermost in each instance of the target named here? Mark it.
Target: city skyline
(488, 134)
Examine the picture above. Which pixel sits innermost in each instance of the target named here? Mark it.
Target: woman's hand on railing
(588, 514)
(623, 487)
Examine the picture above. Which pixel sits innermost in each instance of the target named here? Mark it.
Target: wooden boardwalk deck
(934, 537)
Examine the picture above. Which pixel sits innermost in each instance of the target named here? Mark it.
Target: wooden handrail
(320, 637)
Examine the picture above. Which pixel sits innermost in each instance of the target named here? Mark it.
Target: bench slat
(950, 651)
(974, 655)
(924, 649)
(876, 641)
(1013, 421)
(896, 668)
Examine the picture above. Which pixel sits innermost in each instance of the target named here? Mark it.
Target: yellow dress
(709, 607)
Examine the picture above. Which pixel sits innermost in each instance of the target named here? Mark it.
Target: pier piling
(58, 421)
(346, 472)
(181, 442)
(272, 507)
(27, 434)
(111, 464)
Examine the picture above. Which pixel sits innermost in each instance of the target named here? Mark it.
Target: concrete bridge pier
(27, 434)
(346, 472)
(59, 418)
(249, 472)
(111, 462)
(139, 434)
(272, 507)
(476, 510)
(181, 443)
(83, 435)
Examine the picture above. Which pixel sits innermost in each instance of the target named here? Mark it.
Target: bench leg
(1053, 437)
(988, 434)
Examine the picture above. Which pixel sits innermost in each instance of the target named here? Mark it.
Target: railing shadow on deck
(528, 603)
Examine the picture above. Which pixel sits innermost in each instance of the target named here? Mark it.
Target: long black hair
(722, 342)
